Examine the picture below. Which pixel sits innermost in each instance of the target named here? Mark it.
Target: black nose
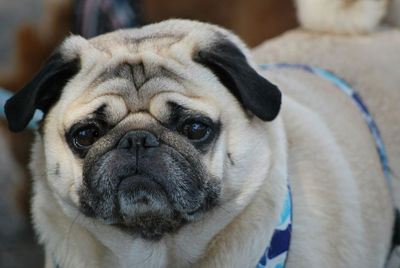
(138, 138)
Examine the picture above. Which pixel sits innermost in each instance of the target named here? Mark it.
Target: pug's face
(148, 129)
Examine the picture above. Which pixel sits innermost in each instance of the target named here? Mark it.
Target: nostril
(151, 141)
(125, 144)
(138, 138)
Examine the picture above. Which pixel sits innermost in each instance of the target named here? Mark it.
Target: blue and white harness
(276, 253)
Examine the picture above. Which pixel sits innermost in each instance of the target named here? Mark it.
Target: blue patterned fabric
(277, 251)
(4, 96)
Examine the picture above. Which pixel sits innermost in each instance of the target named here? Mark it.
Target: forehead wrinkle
(155, 41)
(158, 85)
(137, 72)
(150, 62)
(122, 70)
(120, 87)
(158, 79)
(160, 74)
(114, 86)
(188, 102)
(89, 106)
(134, 39)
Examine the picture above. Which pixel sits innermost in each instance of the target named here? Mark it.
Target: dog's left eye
(85, 137)
(196, 131)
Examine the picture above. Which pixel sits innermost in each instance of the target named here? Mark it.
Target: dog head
(149, 129)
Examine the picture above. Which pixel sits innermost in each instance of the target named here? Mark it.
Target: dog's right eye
(83, 138)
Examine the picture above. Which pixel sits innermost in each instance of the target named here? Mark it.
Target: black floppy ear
(41, 92)
(230, 65)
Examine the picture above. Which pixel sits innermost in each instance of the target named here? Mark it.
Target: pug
(164, 147)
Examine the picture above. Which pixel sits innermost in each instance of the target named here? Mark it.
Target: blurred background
(31, 30)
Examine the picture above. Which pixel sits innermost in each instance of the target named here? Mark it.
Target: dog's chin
(152, 226)
(144, 209)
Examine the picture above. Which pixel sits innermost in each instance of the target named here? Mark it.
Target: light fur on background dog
(341, 16)
(342, 210)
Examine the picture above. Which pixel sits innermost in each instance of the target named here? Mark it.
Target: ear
(41, 92)
(230, 65)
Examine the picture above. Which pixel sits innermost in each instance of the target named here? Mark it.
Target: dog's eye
(196, 131)
(85, 137)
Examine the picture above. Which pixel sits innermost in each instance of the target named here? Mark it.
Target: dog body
(162, 147)
(375, 78)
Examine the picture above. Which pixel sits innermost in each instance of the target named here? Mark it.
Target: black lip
(140, 184)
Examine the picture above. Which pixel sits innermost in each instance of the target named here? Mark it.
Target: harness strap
(396, 230)
(353, 95)
(275, 256)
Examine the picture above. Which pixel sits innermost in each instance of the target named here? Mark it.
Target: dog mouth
(151, 197)
(144, 208)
